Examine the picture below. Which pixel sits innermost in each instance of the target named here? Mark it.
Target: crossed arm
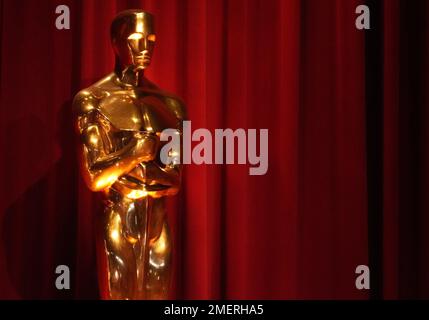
(102, 166)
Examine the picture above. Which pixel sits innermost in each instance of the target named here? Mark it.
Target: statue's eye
(151, 37)
(135, 36)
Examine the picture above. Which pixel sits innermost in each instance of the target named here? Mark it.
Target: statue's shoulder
(172, 101)
(88, 99)
(176, 105)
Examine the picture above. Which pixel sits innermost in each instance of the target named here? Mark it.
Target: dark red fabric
(294, 67)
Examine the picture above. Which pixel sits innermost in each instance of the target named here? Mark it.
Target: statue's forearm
(102, 172)
(169, 176)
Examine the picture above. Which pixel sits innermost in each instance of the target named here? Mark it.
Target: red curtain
(300, 69)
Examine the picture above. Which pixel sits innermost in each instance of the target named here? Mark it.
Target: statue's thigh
(120, 256)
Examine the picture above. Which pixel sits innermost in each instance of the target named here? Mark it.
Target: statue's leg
(159, 268)
(121, 263)
(158, 271)
(137, 234)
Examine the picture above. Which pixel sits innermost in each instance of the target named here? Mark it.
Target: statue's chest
(148, 113)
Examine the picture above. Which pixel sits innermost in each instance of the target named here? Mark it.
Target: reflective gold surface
(119, 120)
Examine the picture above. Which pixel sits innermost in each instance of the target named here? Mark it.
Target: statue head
(133, 39)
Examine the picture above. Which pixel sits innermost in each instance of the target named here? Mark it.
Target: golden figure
(119, 120)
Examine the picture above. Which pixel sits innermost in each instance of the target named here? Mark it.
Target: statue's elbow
(95, 186)
(98, 182)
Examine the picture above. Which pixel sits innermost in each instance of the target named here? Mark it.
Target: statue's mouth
(143, 58)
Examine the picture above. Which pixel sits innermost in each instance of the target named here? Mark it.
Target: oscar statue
(119, 120)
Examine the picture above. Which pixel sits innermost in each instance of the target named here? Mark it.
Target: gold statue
(119, 120)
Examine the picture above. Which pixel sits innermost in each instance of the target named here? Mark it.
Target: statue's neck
(133, 77)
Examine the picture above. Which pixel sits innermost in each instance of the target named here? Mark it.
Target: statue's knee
(160, 250)
(121, 276)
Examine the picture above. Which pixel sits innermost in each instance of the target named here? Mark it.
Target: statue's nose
(139, 45)
(143, 44)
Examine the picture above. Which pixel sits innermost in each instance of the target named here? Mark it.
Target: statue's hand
(146, 146)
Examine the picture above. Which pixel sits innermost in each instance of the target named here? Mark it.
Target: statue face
(133, 38)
